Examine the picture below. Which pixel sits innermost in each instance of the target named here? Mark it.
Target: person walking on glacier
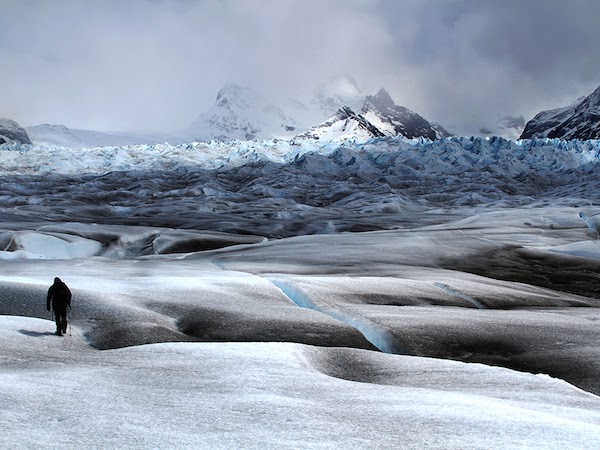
(59, 296)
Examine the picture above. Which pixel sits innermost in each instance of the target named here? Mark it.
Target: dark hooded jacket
(59, 295)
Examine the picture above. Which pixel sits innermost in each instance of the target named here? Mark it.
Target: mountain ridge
(579, 120)
(337, 110)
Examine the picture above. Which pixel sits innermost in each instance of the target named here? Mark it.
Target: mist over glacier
(379, 294)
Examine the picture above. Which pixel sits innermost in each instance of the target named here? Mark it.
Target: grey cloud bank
(156, 65)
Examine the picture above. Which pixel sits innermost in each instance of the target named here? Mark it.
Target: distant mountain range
(377, 117)
(337, 110)
(579, 120)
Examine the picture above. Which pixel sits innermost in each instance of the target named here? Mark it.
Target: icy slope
(344, 125)
(272, 396)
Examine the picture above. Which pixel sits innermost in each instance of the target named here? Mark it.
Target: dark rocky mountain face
(241, 113)
(342, 121)
(346, 113)
(12, 131)
(580, 120)
(440, 131)
(379, 117)
(546, 121)
(401, 120)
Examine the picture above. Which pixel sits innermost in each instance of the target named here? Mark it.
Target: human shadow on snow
(36, 333)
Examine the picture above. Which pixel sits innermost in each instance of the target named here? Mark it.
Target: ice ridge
(450, 155)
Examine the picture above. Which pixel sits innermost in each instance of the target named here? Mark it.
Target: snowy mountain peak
(394, 120)
(339, 91)
(591, 103)
(234, 96)
(242, 113)
(344, 124)
(579, 120)
(379, 116)
(342, 85)
(382, 99)
(338, 107)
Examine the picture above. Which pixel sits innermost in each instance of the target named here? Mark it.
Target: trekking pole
(69, 320)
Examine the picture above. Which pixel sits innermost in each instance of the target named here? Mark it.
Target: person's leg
(64, 322)
(58, 323)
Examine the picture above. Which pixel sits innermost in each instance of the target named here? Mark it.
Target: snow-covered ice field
(388, 294)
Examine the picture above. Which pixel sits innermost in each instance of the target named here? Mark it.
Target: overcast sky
(157, 64)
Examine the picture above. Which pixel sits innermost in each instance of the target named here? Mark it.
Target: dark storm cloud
(474, 59)
(157, 64)
(152, 64)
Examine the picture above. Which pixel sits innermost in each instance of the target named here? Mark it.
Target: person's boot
(58, 333)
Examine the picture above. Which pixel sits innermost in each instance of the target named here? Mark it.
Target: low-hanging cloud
(157, 64)
(471, 60)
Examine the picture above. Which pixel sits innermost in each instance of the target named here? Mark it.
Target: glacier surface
(378, 294)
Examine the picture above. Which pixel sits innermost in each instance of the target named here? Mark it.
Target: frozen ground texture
(219, 302)
(281, 189)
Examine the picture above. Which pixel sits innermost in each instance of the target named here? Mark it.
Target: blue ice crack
(380, 337)
(460, 295)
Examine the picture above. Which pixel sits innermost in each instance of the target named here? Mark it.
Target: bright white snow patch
(41, 245)
(271, 395)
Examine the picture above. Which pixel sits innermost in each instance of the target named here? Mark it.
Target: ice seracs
(285, 188)
(579, 120)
